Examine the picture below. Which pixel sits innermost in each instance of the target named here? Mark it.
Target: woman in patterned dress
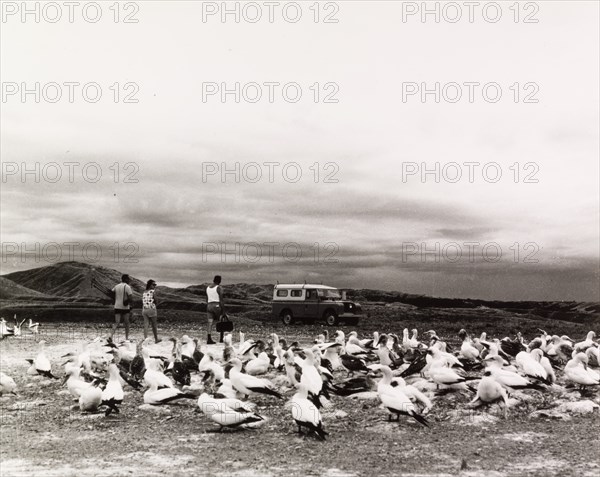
(149, 313)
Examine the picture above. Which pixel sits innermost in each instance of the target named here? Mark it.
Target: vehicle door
(311, 304)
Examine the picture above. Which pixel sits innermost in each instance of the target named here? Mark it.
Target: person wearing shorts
(149, 312)
(123, 297)
(214, 307)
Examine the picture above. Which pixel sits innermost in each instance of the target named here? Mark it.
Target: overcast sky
(371, 226)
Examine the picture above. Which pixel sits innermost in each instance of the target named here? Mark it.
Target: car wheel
(287, 318)
(331, 318)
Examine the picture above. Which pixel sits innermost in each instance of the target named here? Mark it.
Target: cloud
(372, 214)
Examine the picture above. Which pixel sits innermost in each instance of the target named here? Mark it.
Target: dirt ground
(42, 436)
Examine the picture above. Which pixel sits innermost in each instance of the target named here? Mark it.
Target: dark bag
(224, 324)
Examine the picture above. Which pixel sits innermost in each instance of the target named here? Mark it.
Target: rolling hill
(67, 287)
(12, 290)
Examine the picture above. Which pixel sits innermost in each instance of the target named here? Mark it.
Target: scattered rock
(550, 414)
(24, 405)
(472, 417)
(579, 407)
(86, 416)
(523, 397)
(156, 409)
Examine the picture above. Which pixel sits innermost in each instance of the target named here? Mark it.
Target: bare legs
(153, 323)
(118, 316)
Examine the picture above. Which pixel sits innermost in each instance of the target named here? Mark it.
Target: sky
(321, 177)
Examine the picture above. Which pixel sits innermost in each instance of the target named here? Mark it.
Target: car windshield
(329, 294)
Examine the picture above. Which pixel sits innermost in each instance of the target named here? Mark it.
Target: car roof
(304, 285)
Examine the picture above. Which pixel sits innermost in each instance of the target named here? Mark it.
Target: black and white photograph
(345, 238)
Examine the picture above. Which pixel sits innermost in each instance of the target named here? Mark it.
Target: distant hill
(542, 308)
(71, 283)
(65, 279)
(239, 292)
(10, 289)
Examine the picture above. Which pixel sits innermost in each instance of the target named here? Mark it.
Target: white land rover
(309, 303)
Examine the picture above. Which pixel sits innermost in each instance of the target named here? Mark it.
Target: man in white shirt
(123, 297)
(215, 306)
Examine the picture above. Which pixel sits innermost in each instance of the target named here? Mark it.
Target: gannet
(112, 395)
(41, 364)
(305, 413)
(244, 351)
(413, 394)
(208, 362)
(577, 372)
(247, 384)
(441, 375)
(413, 342)
(528, 363)
(293, 370)
(384, 353)
(394, 399)
(160, 396)
(332, 354)
(353, 364)
(33, 327)
(593, 354)
(467, 350)
(311, 379)
(126, 352)
(226, 389)
(560, 348)
(230, 413)
(589, 341)
(354, 348)
(154, 375)
(259, 365)
(179, 371)
(90, 399)
(488, 391)
(510, 380)
(17, 326)
(7, 384)
(4, 329)
(75, 384)
(187, 346)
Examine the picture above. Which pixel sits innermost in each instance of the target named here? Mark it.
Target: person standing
(123, 298)
(215, 306)
(149, 311)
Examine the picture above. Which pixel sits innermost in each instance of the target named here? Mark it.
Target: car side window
(296, 293)
(282, 293)
(311, 294)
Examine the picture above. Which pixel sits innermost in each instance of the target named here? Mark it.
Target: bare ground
(42, 436)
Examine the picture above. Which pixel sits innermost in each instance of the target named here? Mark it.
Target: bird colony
(404, 377)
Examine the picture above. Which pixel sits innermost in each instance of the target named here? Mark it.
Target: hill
(67, 287)
(72, 281)
(10, 289)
